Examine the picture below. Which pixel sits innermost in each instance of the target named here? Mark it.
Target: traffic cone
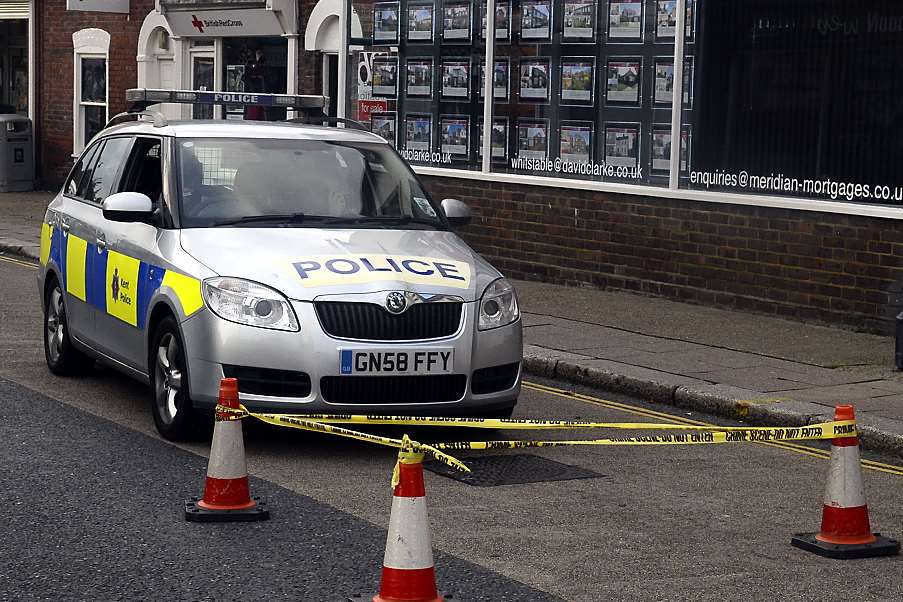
(226, 493)
(408, 572)
(845, 530)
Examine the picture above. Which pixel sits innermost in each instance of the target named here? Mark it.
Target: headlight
(249, 303)
(498, 306)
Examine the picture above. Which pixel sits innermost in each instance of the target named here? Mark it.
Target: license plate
(420, 361)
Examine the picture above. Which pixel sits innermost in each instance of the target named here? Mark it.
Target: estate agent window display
(578, 82)
(582, 82)
(425, 67)
(584, 90)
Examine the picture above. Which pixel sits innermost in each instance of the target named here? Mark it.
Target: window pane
(202, 79)
(256, 64)
(94, 80)
(226, 179)
(798, 99)
(78, 171)
(580, 99)
(145, 173)
(416, 81)
(103, 179)
(95, 119)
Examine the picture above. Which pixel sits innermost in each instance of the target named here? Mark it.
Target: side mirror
(457, 213)
(128, 207)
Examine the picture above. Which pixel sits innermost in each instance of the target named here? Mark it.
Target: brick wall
(310, 64)
(55, 72)
(805, 265)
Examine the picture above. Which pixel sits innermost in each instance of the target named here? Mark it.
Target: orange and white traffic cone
(408, 572)
(845, 530)
(226, 493)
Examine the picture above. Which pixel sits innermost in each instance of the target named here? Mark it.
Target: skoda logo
(395, 302)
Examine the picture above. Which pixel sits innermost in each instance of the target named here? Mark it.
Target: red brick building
(88, 58)
(784, 195)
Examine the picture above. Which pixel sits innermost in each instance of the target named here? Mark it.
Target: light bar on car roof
(142, 97)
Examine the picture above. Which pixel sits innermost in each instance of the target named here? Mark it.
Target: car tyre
(63, 359)
(174, 414)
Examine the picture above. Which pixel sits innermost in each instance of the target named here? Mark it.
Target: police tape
(294, 421)
(531, 424)
(827, 430)
(697, 435)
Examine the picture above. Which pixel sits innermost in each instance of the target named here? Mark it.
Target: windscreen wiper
(328, 220)
(399, 220)
(293, 218)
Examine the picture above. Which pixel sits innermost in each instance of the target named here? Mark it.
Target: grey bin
(16, 155)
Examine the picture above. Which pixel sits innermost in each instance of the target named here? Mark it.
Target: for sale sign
(365, 107)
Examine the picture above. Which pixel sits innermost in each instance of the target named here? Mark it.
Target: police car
(306, 261)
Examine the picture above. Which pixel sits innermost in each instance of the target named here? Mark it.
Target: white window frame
(91, 43)
(673, 189)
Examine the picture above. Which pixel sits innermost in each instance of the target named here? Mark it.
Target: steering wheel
(210, 205)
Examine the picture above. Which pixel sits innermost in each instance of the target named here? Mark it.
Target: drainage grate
(491, 471)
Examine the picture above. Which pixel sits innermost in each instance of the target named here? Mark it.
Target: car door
(133, 262)
(96, 184)
(72, 240)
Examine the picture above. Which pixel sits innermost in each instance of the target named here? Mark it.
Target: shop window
(580, 101)
(414, 76)
(789, 99)
(573, 84)
(90, 107)
(798, 99)
(258, 64)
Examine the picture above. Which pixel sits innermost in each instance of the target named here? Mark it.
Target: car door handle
(101, 243)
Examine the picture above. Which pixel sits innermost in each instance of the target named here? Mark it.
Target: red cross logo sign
(197, 23)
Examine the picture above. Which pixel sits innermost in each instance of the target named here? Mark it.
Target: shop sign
(214, 23)
(99, 6)
(365, 107)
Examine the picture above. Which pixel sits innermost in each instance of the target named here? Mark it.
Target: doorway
(202, 71)
(14, 66)
(331, 81)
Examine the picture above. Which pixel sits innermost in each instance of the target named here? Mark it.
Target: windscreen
(280, 182)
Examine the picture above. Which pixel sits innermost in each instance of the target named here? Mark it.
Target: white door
(202, 78)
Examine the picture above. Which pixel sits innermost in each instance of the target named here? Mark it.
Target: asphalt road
(93, 507)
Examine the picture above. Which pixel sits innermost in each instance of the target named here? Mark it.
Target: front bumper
(212, 343)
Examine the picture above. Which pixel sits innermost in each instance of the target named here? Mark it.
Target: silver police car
(306, 261)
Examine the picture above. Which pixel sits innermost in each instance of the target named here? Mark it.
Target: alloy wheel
(55, 322)
(168, 381)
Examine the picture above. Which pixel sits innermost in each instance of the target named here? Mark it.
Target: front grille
(266, 381)
(368, 321)
(393, 389)
(496, 378)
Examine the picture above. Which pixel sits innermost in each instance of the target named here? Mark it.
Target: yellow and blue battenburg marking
(46, 233)
(120, 285)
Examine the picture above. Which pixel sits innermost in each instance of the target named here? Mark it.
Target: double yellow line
(19, 262)
(661, 416)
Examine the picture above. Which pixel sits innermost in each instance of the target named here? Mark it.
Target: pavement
(755, 368)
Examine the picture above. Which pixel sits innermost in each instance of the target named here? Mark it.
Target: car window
(144, 172)
(363, 183)
(83, 165)
(101, 182)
